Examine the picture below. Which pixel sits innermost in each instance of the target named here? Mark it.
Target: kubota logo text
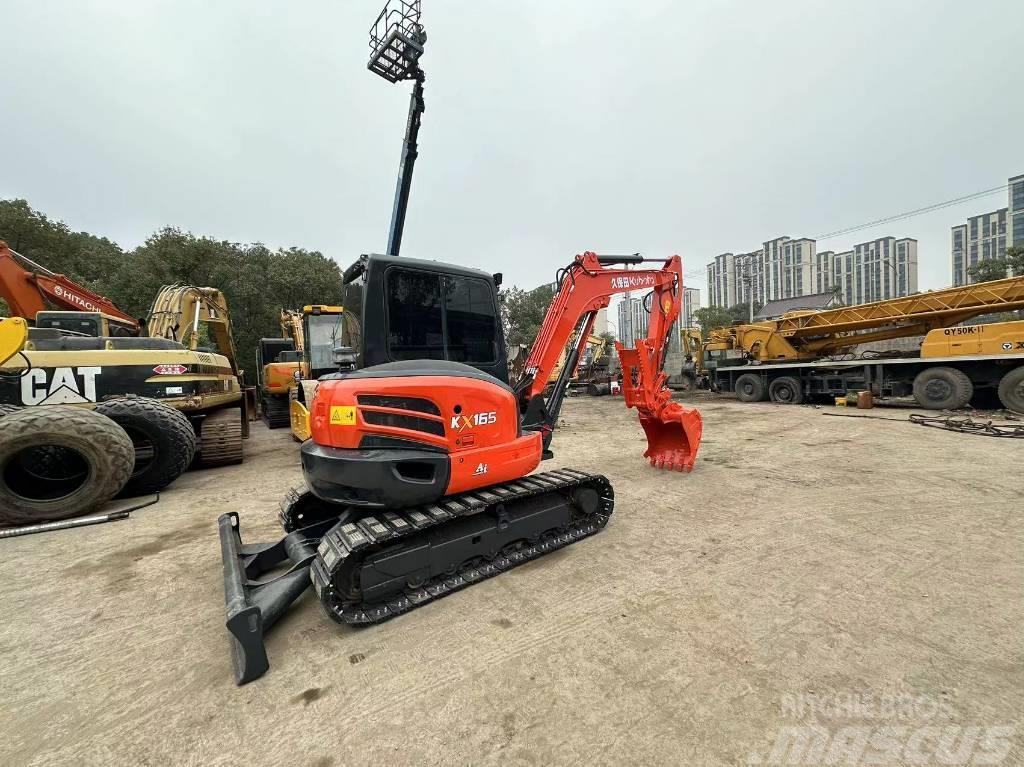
(463, 422)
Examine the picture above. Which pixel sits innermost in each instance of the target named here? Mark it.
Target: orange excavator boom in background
(30, 288)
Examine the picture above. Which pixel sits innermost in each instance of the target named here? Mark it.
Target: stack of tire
(58, 461)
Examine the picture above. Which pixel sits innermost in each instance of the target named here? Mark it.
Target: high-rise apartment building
(987, 235)
(788, 268)
(634, 318)
(871, 271)
(691, 303)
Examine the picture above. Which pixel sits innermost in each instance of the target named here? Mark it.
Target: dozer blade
(253, 606)
(673, 437)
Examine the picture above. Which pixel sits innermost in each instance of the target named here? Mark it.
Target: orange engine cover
(476, 421)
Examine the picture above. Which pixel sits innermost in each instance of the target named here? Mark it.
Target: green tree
(740, 312)
(89, 260)
(989, 269)
(523, 312)
(1015, 259)
(256, 281)
(711, 317)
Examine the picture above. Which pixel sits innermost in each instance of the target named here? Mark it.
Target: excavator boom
(584, 288)
(30, 288)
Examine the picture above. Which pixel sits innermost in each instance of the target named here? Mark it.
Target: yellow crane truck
(806, 354)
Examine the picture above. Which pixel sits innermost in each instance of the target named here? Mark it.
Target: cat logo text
(463, 422)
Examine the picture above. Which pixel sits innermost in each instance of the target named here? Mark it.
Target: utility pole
(748, 280)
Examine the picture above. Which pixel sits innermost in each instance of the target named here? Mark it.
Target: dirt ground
(806, 558)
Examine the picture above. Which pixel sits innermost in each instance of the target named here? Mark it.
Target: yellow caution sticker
(343, 415)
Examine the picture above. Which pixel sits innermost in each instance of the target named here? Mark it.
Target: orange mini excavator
(419, 466)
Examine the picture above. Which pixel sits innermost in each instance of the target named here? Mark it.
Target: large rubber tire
(749, 388)
(1011, 390)
(8, 409)
(59, 461)
(220, 438)
(942, 388)
(276, 411)
(162, 436)
(786, 390)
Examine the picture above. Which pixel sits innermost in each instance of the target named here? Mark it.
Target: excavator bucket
(673, 431)
(673, 437)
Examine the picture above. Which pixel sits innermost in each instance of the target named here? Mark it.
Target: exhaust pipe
(254, 606)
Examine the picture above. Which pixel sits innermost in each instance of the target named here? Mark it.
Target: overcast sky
(551, 127)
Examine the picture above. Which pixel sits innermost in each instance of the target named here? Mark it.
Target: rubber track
(362, 537)
(276, 413)
(220, 438)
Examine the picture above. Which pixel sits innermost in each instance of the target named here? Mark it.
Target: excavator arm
(30, 288)
(185, 313)
(584, 288)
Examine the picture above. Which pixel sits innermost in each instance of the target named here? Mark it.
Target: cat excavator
(419, 466)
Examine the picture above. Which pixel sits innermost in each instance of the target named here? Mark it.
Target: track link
(220, 438)
(344, 549)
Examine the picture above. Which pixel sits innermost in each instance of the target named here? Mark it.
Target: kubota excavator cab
(402, 309)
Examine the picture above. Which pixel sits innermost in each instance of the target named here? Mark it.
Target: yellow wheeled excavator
(81, 349)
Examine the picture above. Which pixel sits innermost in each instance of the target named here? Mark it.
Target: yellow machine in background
(322, 330)
(277, 360)
(993, 338)
(804, 354)
(194, 317)
(13, 333)
(594, 351)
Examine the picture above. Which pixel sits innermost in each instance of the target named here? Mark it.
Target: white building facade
(988, 235)
(789, 268)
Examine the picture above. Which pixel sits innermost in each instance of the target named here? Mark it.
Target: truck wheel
(59, 461)
(163, 439)
(8, 409)
(749, 388)
(786, 390)
(1011, 390)
(942, 388)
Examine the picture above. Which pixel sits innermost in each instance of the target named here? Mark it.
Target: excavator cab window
(415, 316)
(470, 321)
(74, 323)
(440, 317)
(323, 333)
(399, 308)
